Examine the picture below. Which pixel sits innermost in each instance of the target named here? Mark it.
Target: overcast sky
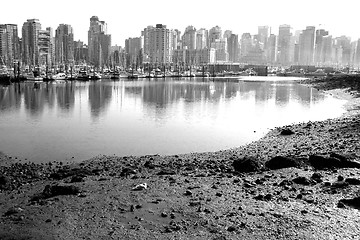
(128, 18)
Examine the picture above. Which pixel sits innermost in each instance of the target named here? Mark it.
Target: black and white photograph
(212, 120)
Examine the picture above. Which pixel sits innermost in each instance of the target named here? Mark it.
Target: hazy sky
(128, 18)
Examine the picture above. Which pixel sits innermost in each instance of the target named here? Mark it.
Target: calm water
(79, 120)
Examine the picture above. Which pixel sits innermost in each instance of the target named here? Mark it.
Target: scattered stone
(77, 178)
(13, 210)
(125, 172)
(231, 229)
(285, 183)
(194, 203)
(286, 132)
(353, 181)
(268, 197)
(279, 162)
(340, 178)
(247, 164)
(340, 184)
(352, 202)
(302, 181)
(317, 177)
(149, 164)
(140, 187)
(188, 193)
(166, 171)
(236, 180)
(218, 194)
(3, 180)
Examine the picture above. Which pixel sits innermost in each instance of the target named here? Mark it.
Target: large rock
(286, 132)
(334, 161)
(352, 202)
(279, 162)
(3, 181)
(322, 162)
(346, 160)
(56, 190)
(247, 164)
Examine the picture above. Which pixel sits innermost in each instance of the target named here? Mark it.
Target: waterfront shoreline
(196, 195)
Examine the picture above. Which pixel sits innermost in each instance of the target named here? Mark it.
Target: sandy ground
(231, 194)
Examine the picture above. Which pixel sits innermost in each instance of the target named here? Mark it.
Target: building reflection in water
(155, 94)
(148, 116)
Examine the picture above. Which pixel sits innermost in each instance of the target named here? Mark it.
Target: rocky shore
(298, 182)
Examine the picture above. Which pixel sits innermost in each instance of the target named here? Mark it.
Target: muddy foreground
(298, 182)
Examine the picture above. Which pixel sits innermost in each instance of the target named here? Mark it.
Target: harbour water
(78, 120)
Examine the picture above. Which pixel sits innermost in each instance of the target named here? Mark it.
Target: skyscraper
(99, 42)
(134, 51)
(202, 38)
(306, 46)
(64, 44)
(30, 40)
(189, 38)
(284, 44)
(319, 41)
(245, 45)
(233, 47)
(263, 34)
(159, 44)
(3, 44)
(9, 44)
(44, 46)
(214, 33)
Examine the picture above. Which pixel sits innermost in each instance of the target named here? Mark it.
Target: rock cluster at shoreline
(298, 182)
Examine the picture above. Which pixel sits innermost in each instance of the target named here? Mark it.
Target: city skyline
(128, 19)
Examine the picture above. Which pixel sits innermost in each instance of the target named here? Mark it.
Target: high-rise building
(81, 52)
(263, 34)
(271, 51)
(284, 44)
(326, 50)
(245, 46)
(319, 41)
(214, 33)
(134, 51)
(233, 47)
(159, 44)
(189, 38)
(343, 44)
(146, 45)
(99, 42)
(220, 45)
(64, 44)
(357, 53)
(202, 39)
(52, 47)
(306, 46)
(3, 46)
(227, 34)
(9, 44)
(30, 41)
(44, 46)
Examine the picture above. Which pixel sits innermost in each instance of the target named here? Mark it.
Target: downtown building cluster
(310, 46)
(159, 45)
(44, 47)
